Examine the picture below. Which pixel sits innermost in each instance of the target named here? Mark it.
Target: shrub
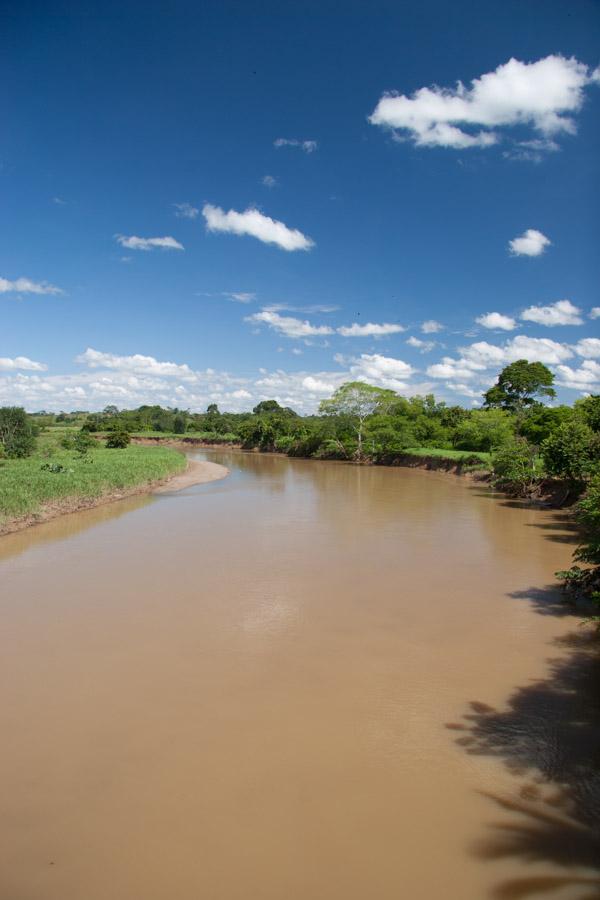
(81, 442)
(572, 452)
(516, 465)
(16, 433)
(118, 440)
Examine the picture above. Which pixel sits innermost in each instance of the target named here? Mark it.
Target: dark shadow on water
(549, 739)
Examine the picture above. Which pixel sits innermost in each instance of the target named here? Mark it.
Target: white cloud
(588, 348)
(95, 359)
(422, 346)
(496, 320)
(186, 211)
(481, 356)
(269, 181)
(254, 223)
(431, 327)
(521, 347)
(288, 325)
(585, 379)
(595, 312)
(132, 242)
(563, 312)
(462, 369)
(318, 386)
(383, 371)
(240, 296)
(307, 146)
(530, 243)
(540, 94)
(20, 362)
(26, 286)
(369, 329)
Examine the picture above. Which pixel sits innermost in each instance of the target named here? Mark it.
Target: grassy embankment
(26, 488)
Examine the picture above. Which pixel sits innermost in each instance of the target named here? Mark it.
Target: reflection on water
(241, 691)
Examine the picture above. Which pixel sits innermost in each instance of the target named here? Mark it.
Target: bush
(81, 442)
(516, 466)
(118, 440)
(572, 452)
(17, 435)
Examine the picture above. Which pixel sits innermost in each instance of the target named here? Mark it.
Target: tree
(572, 452)
(179, 424)
(485, 429)
(355, 401)
(519, 385)
(16, 432)
(589, 409)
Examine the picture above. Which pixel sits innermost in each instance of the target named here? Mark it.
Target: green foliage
(589, 409)
(516, 465)
(572, 452)
(16, 432)
(179, 424)
(520, 385)
(351, 404)
(484, 430)
(80, 441)
(540, 422)
(118, 440)
(585, 581)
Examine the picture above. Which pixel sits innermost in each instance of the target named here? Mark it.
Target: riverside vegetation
(66, 467)
(527, 446)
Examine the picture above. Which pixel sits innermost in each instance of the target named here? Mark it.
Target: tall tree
(355, 401)
(521, 385)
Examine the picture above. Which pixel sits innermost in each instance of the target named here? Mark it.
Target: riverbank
(35, 490)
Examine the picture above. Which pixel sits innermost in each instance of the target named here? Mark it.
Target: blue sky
(233, 201)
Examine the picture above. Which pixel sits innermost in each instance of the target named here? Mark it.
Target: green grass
(456, 455)
(25, 487)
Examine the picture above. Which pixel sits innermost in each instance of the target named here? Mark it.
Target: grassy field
(25, 486)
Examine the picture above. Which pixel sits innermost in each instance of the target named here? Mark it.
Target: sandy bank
(197, 472)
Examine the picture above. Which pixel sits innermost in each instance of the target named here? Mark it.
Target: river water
(309, 681)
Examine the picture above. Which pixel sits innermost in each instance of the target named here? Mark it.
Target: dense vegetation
(524, 442)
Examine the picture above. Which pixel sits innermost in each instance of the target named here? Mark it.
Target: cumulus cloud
(269, 181)
(95, 359)
(383, 371)
(422, 346)
(543, 95)
(595, 312)
(496, 320)
(20, 362)
(369, 329)
(26, 286)
(431, 327)
(563, 312)
(530, 243)
(585, 379)
(289, 326)
(481, 356)
(254, 223)
(131, 242)
(588, 348)
(186, 211)
(307, 146)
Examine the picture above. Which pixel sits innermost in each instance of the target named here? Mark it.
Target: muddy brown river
(309, 681)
